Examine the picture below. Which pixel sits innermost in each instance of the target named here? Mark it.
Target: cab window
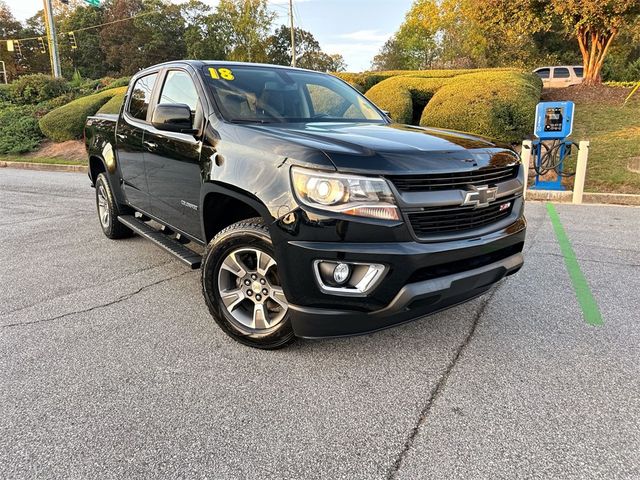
(141, 96)
(179, 88)
(543, 73)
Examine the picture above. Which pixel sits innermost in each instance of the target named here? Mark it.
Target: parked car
(319, 216)
(561, 76)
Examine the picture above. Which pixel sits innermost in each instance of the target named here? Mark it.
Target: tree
(205, 34)
(156, 35)
(308, 52)
(390, 57)
(83, 58)
(417, 34)
(248, 23)
(595, 24)
(9, 28)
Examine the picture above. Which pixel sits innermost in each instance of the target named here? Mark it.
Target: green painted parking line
(586, 300)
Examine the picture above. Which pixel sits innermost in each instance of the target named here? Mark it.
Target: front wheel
(242, 288)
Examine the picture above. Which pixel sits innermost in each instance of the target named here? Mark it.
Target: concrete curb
(50, 167)
(567, 197)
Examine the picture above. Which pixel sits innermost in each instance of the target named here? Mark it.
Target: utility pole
(4, 72)
(52, 38)
(293, 35)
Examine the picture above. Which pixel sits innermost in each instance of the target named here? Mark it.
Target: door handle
(150, 145)
(121, 136)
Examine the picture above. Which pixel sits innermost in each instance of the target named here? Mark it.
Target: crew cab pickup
(317, 215)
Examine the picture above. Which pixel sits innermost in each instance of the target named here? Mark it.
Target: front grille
(456, 218)
(454, 180)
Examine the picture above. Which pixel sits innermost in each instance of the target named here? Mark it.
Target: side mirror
(172, 117)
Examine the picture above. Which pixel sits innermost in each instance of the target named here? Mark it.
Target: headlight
(347, 194)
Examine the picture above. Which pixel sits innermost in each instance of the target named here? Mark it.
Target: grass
(613, 131)
(47, 160)
(614, 136)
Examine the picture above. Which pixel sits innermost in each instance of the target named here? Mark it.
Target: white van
(561, 76)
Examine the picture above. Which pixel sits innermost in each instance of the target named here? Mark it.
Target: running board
(161, 239)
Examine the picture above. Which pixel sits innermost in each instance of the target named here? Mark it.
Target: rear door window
(561, 72)
(141, 96)
(543, 73)
(579, 71)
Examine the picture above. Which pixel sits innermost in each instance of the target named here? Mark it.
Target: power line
(85, 28)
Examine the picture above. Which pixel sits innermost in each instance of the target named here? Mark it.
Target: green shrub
(368, 79)
(33, 89)
(401, 95)
(67, 122)
(6, 93)
(113, 105)
(19, 132)
(118, 82)
(499, 105)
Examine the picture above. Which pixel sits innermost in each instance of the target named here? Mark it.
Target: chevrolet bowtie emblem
(479, 197)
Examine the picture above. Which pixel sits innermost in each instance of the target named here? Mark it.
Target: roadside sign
(93, 3)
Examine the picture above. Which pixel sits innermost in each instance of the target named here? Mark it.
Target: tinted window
(263, 95)
(179, 88)
(561, 73)
(141, 96)
(578, 71)
(543, 73)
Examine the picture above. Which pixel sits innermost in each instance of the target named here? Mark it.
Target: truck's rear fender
(100, 144)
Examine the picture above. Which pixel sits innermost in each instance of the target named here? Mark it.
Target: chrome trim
(368, 283)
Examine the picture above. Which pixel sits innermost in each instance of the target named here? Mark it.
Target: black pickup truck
(319, 216)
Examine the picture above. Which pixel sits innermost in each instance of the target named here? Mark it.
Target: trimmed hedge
(499, 105)
(366, 80)
(399, 96)
(67, 122)
(32, 89)
(113, 105)
(19, 132)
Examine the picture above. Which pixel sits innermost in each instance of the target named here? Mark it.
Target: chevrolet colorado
(319, 216)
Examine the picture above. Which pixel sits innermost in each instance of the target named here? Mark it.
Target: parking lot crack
(121, 298)
(438, 388)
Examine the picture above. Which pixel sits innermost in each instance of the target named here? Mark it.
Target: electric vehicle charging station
(553, 126)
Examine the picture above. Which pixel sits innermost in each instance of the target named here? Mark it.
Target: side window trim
(165, 77)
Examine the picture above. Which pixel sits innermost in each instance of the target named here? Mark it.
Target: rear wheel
(108, 210)
(241, 285)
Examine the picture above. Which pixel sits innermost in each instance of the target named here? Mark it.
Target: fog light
(341, 273)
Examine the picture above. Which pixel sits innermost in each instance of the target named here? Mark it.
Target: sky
(356, 29)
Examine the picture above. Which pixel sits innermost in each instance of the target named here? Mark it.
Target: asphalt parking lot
(110, 366)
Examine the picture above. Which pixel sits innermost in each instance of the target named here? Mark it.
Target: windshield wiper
(252, 120)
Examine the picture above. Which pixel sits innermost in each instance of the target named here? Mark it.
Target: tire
(108, 210)
(242, 289)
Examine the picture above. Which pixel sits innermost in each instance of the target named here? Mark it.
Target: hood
(394, 149)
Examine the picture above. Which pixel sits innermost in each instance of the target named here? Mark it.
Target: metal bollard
(581, 171)
(525, 157)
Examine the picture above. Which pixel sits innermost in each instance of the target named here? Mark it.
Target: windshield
(269, 95)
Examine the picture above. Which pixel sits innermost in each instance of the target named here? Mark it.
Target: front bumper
(421, 278)
(412, 301)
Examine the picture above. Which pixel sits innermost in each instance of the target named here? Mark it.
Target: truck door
(173, 159)
(129, 141)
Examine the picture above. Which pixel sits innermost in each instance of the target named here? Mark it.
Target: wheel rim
(250, 290)
(103, 207)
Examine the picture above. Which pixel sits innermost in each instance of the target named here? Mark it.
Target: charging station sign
(554, 120)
